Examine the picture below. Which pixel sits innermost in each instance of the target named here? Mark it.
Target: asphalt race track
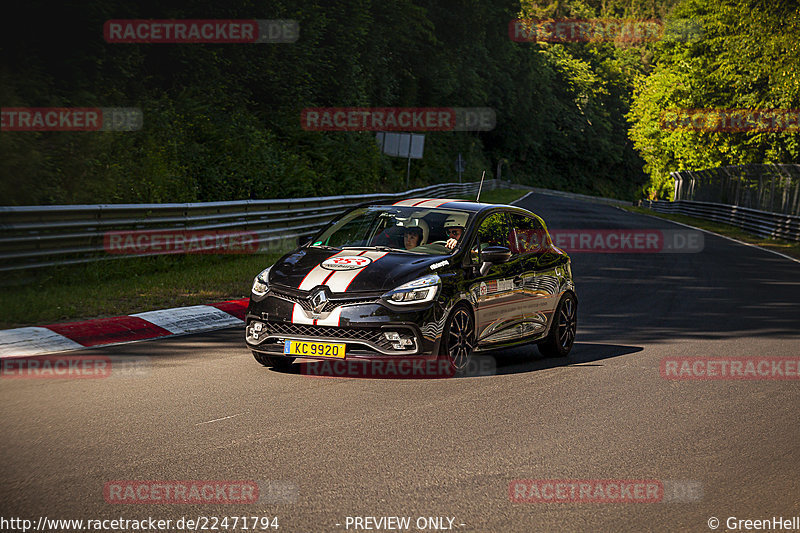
(200, 408)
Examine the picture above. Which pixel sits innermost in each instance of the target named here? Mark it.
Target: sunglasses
(454, 231)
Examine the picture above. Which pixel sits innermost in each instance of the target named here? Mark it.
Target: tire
(277, 362)
(559, 340)
(458, 339)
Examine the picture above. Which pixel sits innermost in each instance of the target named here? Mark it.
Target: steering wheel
(443, 243)
(384, 235)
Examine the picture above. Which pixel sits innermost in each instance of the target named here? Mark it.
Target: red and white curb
(30, 341)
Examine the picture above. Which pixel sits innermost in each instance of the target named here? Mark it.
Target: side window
(527, 235)
(493, 231)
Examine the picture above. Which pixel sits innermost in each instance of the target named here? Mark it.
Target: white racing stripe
(318, 274)
(424, 202)
(21, 342)
(189, 319)
(434, 203)
(341, 280)
(411, 202)
(337, 281)
(332, 320)
(299, 317)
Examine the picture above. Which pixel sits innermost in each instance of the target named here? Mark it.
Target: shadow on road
(500, 362)
(727, 290)
(528, 359)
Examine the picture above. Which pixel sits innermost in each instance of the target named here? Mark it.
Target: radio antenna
(478, 199)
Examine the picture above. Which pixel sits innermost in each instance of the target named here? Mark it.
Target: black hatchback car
(422, 278)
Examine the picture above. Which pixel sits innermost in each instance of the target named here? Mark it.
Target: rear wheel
(277, 362)
(559, 340)
(458, 340)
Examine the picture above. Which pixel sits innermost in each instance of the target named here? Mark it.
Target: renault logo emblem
(318, 301)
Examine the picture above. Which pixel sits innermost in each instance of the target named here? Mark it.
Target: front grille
(330, 305)
(372, 335)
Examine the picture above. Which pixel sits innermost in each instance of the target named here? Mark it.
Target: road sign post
(460, 164)
(408, 145)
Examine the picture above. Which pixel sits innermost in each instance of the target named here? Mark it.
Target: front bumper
(368, 327)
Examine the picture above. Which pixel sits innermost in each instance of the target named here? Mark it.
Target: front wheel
(277, 362)
(458, 340)
(559, 340)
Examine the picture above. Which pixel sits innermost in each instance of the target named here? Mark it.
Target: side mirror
(493, 255)
(303, 240)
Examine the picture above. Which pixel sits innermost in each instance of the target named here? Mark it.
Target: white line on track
(218, 419)
(520, 199)
(790, 258)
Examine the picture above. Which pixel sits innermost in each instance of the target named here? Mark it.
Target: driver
(454, 227)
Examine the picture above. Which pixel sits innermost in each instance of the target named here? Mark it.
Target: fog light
(399, 341)
(255, 329)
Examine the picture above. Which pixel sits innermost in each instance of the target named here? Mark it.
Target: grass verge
(792, 249)
(125, 286)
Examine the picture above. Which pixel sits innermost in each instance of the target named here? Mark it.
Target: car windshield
(396, 228)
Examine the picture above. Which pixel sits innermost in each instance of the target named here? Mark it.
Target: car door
(540, 280)
(497, 292)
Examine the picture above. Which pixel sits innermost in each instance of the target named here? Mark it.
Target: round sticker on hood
(346, 262)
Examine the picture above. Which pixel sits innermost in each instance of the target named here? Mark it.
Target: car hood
(351, 270)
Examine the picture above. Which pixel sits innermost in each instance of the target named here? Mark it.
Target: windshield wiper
(325, 247)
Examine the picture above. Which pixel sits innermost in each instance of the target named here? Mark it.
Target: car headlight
(420, 290)
(261, 283)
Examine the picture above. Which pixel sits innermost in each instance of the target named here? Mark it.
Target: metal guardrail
(761, 223)
(773, 188)
(43, 236)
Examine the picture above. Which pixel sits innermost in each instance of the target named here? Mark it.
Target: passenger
(412, 237)
(416, 233)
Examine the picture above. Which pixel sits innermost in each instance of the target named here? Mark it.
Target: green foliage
(221, 122)
(747, 57)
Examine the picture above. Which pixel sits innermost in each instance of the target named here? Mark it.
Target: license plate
(314, 349)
